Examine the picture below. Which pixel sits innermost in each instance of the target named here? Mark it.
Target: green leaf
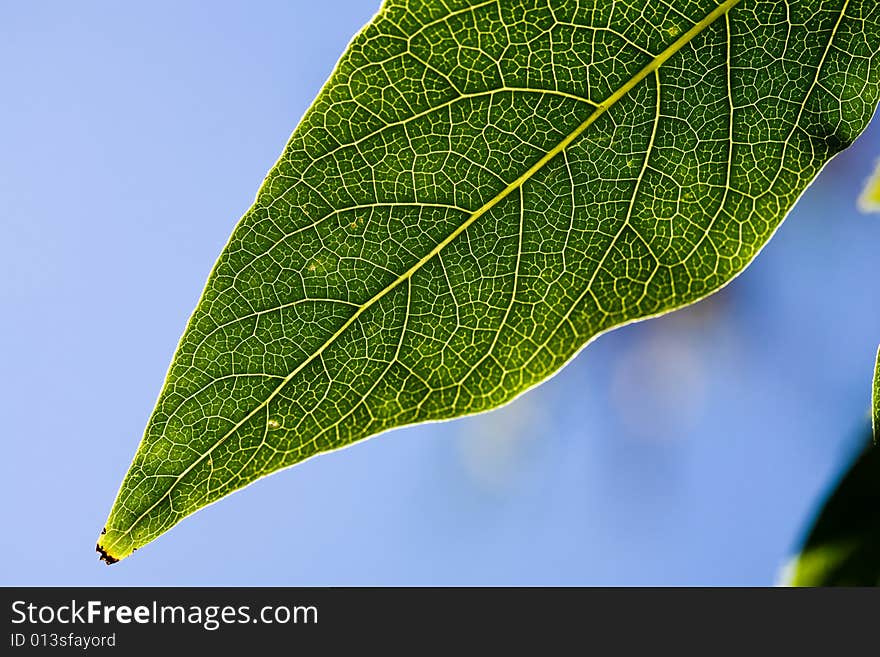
(843, 547)
(479, 190)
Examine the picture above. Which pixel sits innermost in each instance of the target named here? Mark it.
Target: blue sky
(691, 449)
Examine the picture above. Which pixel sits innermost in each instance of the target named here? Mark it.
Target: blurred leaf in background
(869, 201)
(843, 547)
(875, 416)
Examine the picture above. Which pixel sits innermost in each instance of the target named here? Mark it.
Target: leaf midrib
(600, 109)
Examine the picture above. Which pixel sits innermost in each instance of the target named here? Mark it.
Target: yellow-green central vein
(603, 107)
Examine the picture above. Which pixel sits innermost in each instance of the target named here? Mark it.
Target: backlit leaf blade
(480, 189)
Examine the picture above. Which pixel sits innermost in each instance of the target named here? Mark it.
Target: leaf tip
(104, 553)
(105, 556)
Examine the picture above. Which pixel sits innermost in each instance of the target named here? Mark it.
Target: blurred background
(689, 450)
